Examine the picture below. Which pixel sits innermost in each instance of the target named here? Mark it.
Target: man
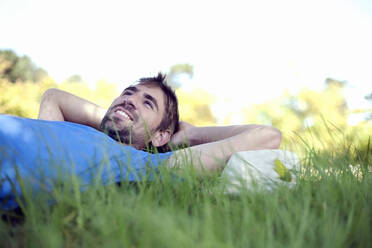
(146, 115)
(36, 155)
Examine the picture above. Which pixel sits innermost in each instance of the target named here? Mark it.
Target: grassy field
(331, 206)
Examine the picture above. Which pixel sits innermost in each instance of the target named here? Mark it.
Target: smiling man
(146, 113)
(146, 116)
(121, 144)
(126, 125)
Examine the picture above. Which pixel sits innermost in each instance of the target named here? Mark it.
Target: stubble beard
(125, 135)
(122, 135)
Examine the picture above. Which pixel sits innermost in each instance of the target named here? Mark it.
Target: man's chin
(121, 137)
(115, 125)
(120, 134)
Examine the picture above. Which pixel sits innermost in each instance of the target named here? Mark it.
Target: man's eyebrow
(131, 88)
(153, 100)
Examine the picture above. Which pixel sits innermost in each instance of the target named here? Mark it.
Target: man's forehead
(151, 89)
(144, 87)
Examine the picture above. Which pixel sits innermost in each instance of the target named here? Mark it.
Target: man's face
(135, 115)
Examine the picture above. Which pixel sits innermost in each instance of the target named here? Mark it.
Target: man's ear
(160, 138)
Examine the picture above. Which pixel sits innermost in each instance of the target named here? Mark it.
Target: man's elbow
(273, 137)
(49, 107)
(49, 96)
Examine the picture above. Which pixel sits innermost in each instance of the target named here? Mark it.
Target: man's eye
(127, 93)
(148, 104)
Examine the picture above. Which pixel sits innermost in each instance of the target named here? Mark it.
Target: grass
(331, 206)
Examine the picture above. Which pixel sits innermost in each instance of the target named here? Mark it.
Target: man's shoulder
(27, 127)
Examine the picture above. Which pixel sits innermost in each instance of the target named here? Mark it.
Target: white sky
(247, 51)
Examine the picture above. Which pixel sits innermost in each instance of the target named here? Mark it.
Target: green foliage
(14, 68)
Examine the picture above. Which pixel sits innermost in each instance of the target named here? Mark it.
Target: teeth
(122, 113)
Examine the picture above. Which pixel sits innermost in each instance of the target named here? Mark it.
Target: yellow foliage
(194, 107)
(275, 114)
(23, 98)
(326, 110)
(282, 170)
(315, 118)
(102, 93)
(329, 105)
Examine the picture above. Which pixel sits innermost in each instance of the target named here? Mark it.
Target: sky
(244, 52)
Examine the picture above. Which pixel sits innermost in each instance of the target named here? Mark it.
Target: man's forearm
(202, 135)
(58, 105)
(192, 135)
(214, 155)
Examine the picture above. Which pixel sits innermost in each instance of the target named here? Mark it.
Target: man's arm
(58, 105)
(192, 135)
(213, 146)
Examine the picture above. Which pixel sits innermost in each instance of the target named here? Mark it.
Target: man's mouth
(123, 115)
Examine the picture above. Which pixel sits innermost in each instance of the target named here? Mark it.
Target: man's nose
(131, 101)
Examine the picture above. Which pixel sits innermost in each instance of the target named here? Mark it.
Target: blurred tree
(7, 60)
(315, 112)
(15, 68)
(332, 81)
(284, 113)
(74, 79)
(195, 108)
(103, 93)
(328, 105)
(369, 96)
(23, 98)
(176, 72)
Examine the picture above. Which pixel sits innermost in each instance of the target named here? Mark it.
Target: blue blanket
(39, 153)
